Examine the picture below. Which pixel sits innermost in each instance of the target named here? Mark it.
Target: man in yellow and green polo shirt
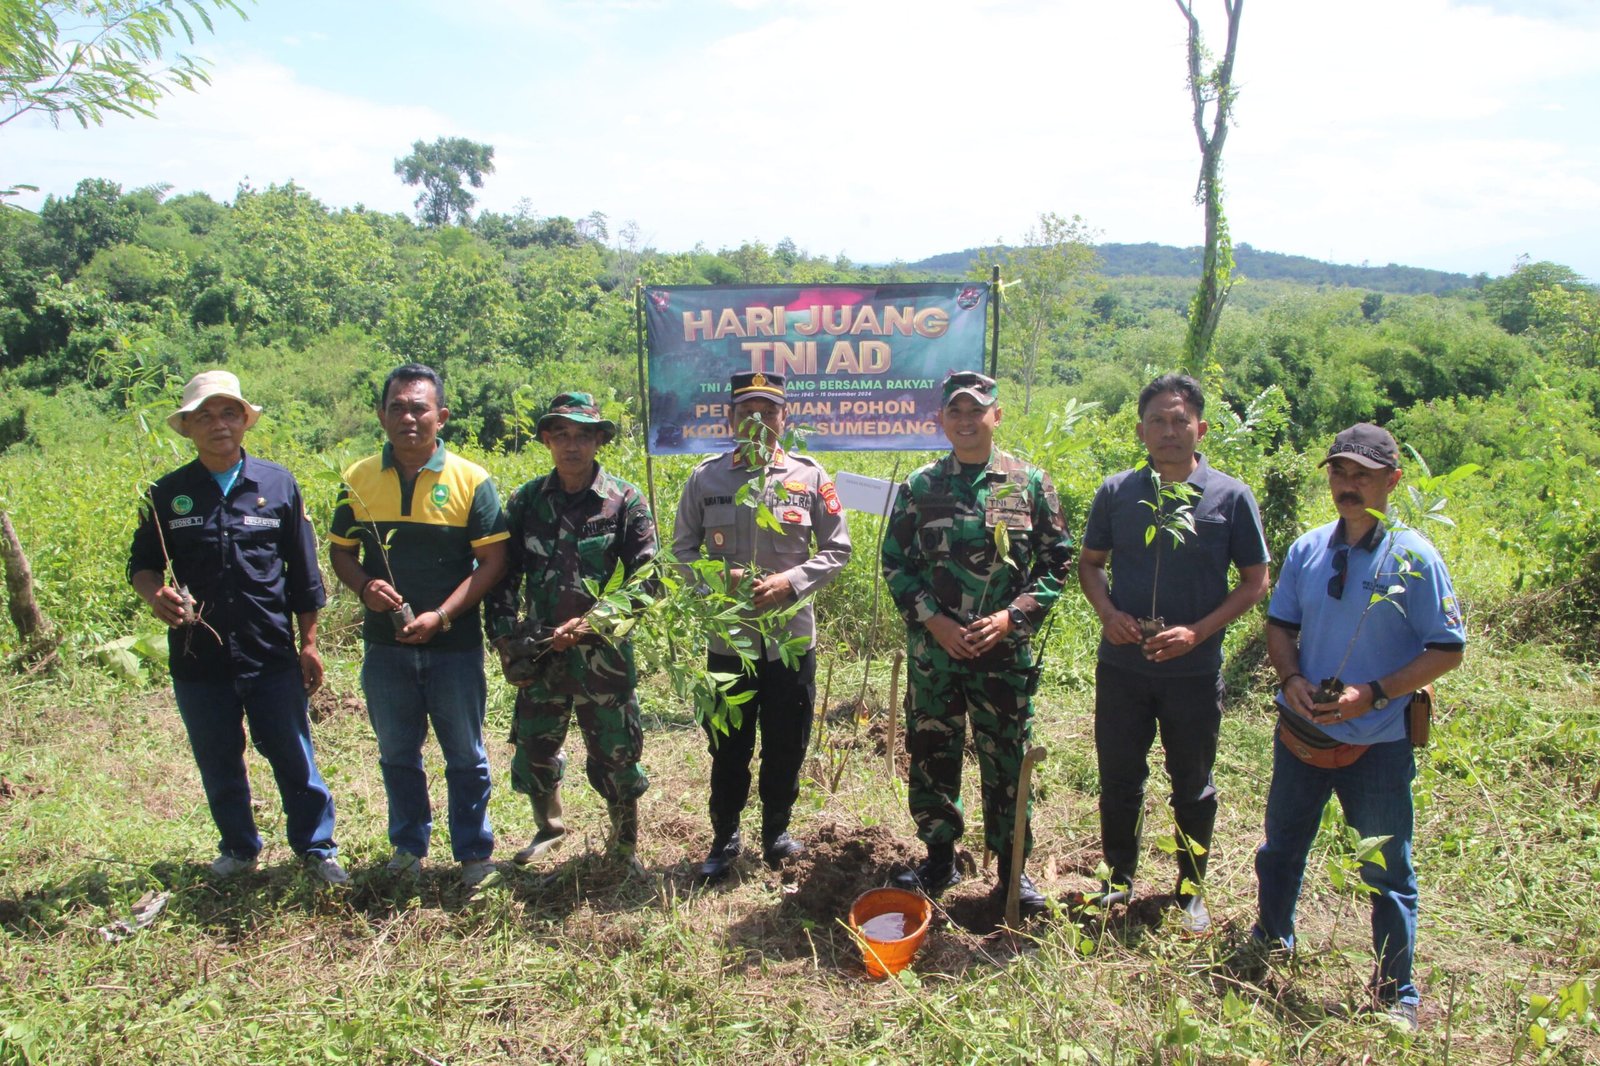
(419, 536)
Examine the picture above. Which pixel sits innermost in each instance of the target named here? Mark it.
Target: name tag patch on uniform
(180, 523)
(263, 523)
(830, 497)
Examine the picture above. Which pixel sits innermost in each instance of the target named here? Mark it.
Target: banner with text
(863, 364)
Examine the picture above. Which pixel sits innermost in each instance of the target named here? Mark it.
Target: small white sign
(861, 493)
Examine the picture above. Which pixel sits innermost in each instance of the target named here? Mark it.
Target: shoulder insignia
(830, 497)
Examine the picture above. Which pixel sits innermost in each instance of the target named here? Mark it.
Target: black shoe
(931, 877)
(781, 847)
(1030, 900)
(724, 849)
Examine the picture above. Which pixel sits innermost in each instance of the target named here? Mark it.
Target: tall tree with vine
(1212, 93)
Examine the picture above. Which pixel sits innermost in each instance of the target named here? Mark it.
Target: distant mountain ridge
(1163, 260)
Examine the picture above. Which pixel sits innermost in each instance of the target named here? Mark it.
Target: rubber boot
(547, 816)
(623, 842)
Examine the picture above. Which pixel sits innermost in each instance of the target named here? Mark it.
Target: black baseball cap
(1371, 446)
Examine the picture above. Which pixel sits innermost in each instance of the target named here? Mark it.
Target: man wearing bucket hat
(577, 523)
(232, 529)
(802, 499)
(1371, 601)
(418, 531)
(975, 554)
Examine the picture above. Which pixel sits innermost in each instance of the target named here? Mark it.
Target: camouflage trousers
(942, 695)
(611, 731)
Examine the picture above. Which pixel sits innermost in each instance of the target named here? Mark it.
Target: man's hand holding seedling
(380, 596)
(169, 605)
(771, 592)
(1170, 643)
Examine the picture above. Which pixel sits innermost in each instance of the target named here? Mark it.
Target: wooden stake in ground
(890, 737)
(1019, 834)
(35, 629)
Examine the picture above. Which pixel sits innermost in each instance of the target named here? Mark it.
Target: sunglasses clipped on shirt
(1341, 563)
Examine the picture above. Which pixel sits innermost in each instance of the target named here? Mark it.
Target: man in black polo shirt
(233, 530)
(1171, 680)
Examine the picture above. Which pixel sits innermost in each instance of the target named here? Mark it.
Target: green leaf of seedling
(1149, 535)
(1167, 845)
(1002, 540)
(767, 520)
(617, 576)
(1370, 849)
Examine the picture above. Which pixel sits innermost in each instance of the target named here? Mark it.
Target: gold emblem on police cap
(758, 381)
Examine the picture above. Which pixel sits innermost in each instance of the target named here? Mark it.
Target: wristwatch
(1380, 698)
(1019, 621)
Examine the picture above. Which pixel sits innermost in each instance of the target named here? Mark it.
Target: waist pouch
(1419, 716)
(1311, 745)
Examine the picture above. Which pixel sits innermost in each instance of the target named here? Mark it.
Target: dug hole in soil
(840, 863)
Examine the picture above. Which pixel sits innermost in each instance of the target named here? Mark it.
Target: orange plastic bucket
(886, 956)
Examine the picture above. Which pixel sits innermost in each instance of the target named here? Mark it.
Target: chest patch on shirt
(262, 523)
(793, 517)
(440, 495)
(181, 523)
(718, 538)
(795, 486)
(182, 505)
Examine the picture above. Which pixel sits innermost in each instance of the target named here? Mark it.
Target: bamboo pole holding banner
(994, 342)
(644, 412)
(644, 391)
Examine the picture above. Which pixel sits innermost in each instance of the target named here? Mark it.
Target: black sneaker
(781, 847)
(724, 849)
(930, 877)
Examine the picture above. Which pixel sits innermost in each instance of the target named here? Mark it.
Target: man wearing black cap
(577, 523)
(975, 554)
(785, 568)
(1367, 606)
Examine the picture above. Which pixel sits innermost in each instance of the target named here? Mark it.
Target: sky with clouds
(1436, 133)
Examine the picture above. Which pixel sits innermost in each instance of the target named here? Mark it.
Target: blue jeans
(406, 688)
(214, 713)
(1375, 793)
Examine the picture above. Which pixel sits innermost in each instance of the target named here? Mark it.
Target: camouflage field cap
(579, 408)
(981, 387)
(750, 384)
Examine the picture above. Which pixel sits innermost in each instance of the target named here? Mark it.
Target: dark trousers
(782, 710)
(1129, 709)
(214, 714)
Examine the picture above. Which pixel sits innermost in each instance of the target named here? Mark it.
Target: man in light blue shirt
(1364, 615)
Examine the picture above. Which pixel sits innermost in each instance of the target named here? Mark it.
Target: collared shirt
(559, 539)
(940, 555)
(249, 559)
(1419, 611)
(428, 527)
(1194, 574)
(801, 497)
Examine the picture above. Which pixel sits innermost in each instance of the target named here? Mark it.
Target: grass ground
(574, 961)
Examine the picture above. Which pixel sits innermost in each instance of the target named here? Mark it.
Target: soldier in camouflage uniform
(574, 523)
(969, 615)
